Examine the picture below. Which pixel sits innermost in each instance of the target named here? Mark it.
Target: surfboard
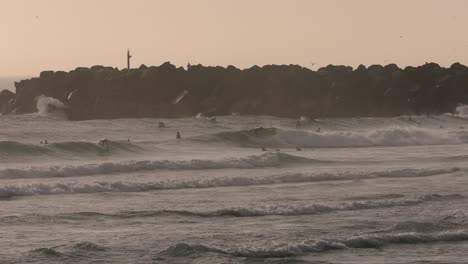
(180, 97)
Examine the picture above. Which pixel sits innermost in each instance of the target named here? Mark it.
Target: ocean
(361, 190)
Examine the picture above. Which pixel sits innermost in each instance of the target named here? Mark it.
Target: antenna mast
(128, 58)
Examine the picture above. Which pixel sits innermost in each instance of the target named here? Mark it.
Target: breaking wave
(48, 105)
(270, 159)
(8, 191)
(392, 136)
(361, 241)
(288, 210)
(186, 250)
(307, 247)
(278, 210)
(413, 226)
(462, 111)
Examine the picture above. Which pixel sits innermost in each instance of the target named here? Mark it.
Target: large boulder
(6, 99)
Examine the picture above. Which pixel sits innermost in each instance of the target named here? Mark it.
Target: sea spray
(45, 104)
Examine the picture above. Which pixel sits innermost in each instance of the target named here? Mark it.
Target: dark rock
(46, 74)
(6, 99)
(280, 90)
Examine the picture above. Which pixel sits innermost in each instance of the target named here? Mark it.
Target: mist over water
(361, 190)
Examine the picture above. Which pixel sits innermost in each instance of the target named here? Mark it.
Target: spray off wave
(48, 105)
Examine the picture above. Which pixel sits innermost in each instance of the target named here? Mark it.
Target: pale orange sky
(39, 35)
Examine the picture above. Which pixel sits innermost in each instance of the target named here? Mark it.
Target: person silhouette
(178, 136)
(104, 143)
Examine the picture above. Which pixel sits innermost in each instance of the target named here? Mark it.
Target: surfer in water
(104, 143)
(298, 148)
(161, 124)
(45, 142)
(318, 130)
(178, 137)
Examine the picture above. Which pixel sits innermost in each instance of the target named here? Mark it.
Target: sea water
(362, 190)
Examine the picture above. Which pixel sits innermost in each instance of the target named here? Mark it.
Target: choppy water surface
(362, 190)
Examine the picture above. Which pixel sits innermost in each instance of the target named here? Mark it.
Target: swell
(389, 136)
(273, 210)
(74, 148)
(364, 241)
(360, 241)
(250, 162)
(307, 247)
(8, 191)
(72, 252)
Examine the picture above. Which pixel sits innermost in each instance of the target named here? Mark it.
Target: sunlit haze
(61, 35)
(322, 146)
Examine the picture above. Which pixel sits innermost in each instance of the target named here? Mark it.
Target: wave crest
(361, 241)
(8, 191)
(250, 162)
(307, 247)
(74, 148)
(392, 136)
(186, 250)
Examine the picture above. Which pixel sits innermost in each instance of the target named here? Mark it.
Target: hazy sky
(38, 35)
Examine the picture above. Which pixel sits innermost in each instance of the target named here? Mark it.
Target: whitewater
(358, 190)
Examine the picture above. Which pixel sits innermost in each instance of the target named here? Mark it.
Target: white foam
(118, 186)
(362, 241)
(462, 111)
(324, 208)
(43, 103)
(392, 136)
(250, 162)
